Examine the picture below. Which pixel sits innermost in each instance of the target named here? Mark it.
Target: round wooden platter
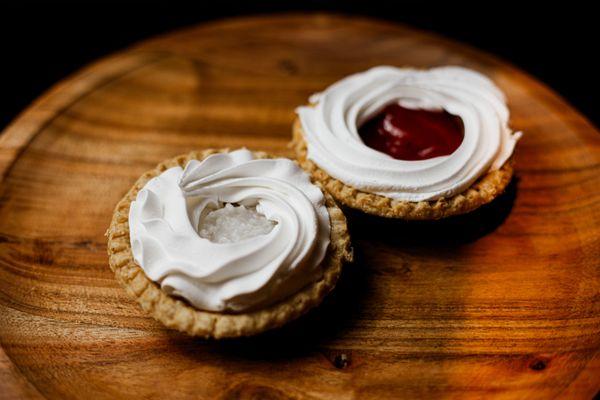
(502, 303)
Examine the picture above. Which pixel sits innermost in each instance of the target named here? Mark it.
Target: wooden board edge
(13, 385)
(23, 129)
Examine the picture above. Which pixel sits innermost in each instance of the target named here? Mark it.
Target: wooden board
(503, 303)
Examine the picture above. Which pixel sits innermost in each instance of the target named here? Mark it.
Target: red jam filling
(411, 135)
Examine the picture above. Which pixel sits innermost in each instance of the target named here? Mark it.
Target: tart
(223, 244)
(407, 143)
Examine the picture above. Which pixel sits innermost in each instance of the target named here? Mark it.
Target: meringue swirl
(330, 127)
(243, 275)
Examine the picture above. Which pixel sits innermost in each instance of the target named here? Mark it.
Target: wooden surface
(502, 303)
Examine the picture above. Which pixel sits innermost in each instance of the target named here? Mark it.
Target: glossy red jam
(410, 135)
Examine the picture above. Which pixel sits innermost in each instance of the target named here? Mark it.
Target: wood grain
(503, 303)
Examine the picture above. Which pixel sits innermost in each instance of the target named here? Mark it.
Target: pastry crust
(178, 314)
(483, 191)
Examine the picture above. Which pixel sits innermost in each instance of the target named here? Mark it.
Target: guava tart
(408, 143)
(224, 244)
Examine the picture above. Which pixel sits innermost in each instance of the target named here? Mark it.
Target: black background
(42, 42)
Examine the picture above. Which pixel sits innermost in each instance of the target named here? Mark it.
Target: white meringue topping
(241, 275)
(331, 125)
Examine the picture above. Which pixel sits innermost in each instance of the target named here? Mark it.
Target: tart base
(483, 191)
(178, 314)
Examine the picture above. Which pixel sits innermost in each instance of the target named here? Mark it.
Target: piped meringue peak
(331, 125)
(234, 275)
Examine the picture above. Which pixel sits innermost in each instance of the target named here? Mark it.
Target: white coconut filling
(232, 224)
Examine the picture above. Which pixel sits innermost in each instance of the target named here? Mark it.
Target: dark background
(42, 42)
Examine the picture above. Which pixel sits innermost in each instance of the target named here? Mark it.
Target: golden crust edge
(483, 191)
(177, 314)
